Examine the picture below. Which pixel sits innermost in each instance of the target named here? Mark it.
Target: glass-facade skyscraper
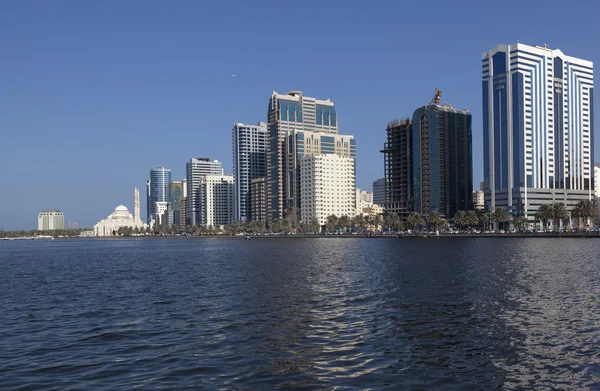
(442, 166)
(249, 162)
(158, 190)
(537, 127)
(297, 126)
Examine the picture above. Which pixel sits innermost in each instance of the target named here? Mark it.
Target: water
(314, 314)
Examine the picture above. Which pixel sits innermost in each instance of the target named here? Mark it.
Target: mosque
(121, 218)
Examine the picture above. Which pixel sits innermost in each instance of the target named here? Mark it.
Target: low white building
(216, 200)
(364, 199)
(327, 187)
(50, 220)
(478, 200)
(121, 218)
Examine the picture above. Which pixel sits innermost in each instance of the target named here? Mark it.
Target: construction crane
(437, 97)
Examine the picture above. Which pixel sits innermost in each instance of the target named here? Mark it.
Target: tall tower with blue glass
(297, 126)
(442, 159)
(537, 128)
(158, 190)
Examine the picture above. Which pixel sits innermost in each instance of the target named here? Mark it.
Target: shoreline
(303, 236)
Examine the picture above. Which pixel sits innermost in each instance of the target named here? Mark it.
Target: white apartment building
(51, 219)
(327, 187)
(596, 180)
(216, 200)
(196, 169)
(537, 127)
(364, 200)
(249, 162)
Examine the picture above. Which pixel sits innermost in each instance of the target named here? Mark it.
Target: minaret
(136, 204)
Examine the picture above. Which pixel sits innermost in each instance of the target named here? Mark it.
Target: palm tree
(460, 219)
(393, 221)
(559, 213)
(472, 219)
(485, 220)
(584, 210)
(292, 216)
(359, 222)
(500, 216)
(544, 213)
(520, 222)
(286, 225)
(261, 226)
(344, 222)
(377, 221)
(433, 218)
(315, 226)
(275, 226)
(415, 219)
(331, 223)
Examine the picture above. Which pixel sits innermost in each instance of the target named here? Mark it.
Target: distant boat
(247, 238)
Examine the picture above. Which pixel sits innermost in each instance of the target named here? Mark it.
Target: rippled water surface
(314, 314)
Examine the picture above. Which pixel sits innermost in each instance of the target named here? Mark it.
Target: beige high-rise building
(182, 211)
(327, 187)
(51, 219)
(258, 197)
(478, 200)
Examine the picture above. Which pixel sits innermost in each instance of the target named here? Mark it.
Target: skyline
(112, 92)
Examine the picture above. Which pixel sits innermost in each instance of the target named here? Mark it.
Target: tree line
(390, 222)
(72, 232)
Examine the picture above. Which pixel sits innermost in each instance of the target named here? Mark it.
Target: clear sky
(95, 93)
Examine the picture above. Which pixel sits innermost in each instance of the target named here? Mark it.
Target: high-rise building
(398, 182)
(379, 192)
(158, 190)
(537, 128)
(442, 159)
(177, 190)
(597, 181)
(328, 187)
(195, 170)
(216, 200)
(296, 121)
(258, 194)
(182, 212)
(50, 220)
(249, 162)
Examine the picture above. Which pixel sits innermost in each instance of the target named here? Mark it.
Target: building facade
(249, 162)
(537, 127)
(196, 169)
(177, 190)
(478, 201)
(364, 200)
(158, 190)
(397, 185)
(293, 117)
(50, 220)
(258, 194)
(379, 190)
(328, 187)
(442, 167)
(182, 212)
(216, 200)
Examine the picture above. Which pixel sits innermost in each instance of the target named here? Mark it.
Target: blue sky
(93, 94)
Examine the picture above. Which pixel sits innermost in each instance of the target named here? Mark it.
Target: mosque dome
(121, 211)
